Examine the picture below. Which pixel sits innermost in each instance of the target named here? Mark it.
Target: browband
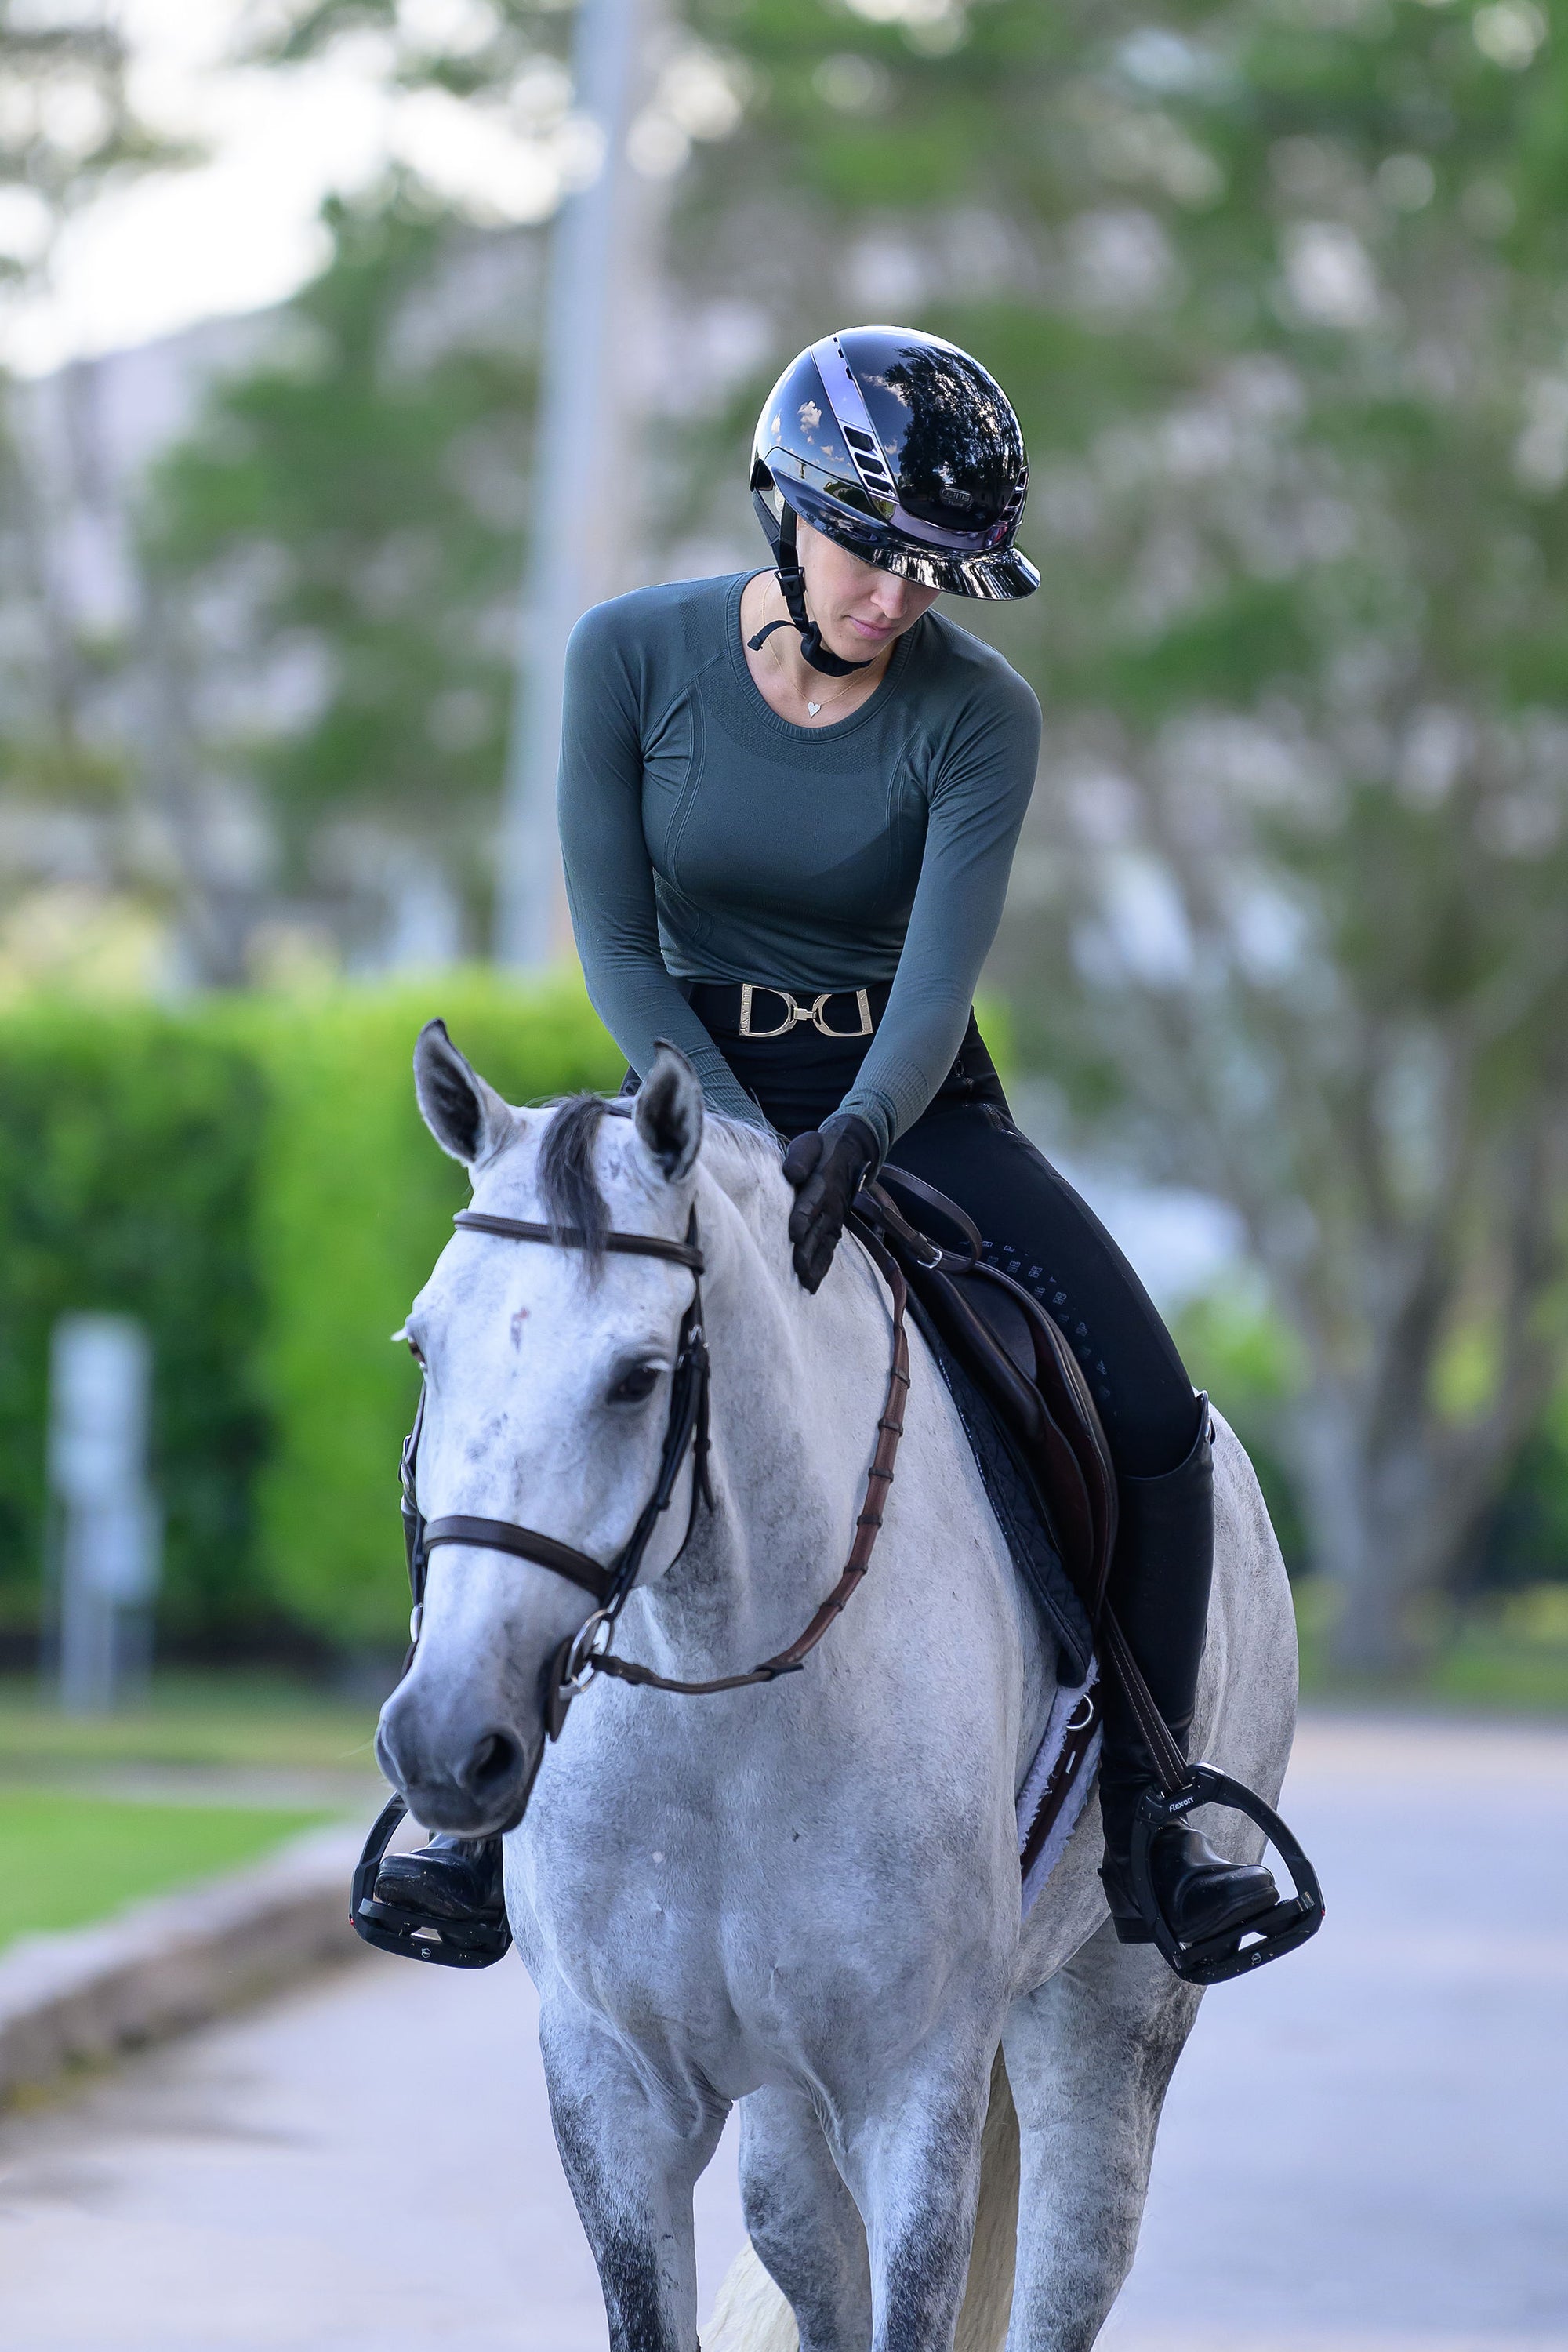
(518, 1229)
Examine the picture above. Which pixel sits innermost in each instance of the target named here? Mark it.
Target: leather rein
(588, 1651)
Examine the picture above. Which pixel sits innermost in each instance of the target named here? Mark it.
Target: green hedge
(127, 1181)
(251, 1177)
(354, 1206)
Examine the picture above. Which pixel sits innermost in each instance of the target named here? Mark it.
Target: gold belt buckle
(797, 1013)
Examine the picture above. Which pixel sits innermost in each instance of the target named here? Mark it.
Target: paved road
(1365, 2150)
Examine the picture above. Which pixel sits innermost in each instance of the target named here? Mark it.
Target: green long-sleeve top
(706, 838)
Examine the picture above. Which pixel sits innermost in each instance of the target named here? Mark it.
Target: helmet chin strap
(792, 580)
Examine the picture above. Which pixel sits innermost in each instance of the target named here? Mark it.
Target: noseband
(587, 1651)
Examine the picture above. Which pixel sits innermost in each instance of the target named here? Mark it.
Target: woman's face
(858, 610)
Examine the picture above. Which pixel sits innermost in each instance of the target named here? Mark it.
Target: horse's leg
(802, 2220)
(1089, 2057)
(632, 2152)
(912, 2158)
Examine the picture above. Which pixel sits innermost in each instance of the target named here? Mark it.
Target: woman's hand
(828, 1167)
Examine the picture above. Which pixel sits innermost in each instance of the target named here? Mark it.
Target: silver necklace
(812, 706)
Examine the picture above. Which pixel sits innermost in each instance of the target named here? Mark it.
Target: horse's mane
(738, 1155)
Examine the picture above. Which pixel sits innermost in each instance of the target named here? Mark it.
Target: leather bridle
(587, 1651)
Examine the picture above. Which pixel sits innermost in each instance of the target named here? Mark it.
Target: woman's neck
(784, 679)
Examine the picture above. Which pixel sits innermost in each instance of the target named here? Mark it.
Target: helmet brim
(999, 575)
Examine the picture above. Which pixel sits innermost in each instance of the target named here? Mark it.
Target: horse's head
(547, 1376)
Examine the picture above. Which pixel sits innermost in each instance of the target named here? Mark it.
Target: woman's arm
(977, 808)
(609, 878)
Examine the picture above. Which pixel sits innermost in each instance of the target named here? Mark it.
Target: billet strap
(519, 1229)
(523, 1543)
(949, 1210)
(879, 1478)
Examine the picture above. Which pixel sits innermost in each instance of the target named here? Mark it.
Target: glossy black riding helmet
(903, 449)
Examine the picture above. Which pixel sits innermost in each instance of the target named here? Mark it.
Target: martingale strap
(879, 1478)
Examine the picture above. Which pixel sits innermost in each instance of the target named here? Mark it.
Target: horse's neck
(797, 1386)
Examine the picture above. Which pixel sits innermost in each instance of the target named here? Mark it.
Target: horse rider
(789, 801)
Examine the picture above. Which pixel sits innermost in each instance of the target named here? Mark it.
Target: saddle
(1017, 1357)
(987, 1330)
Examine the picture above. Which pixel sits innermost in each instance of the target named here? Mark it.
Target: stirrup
(1255, 1941)
(392, 1927)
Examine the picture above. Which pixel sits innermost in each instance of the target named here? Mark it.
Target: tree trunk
(1388, 1519)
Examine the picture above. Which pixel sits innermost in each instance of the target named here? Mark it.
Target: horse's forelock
(568, 1180)
(742, 1158)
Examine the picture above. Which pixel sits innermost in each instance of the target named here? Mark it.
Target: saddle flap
(1021, 1359)
(1069, 1404)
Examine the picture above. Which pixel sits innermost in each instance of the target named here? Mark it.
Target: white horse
(803, 1896)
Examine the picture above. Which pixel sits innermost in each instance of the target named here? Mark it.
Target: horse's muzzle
(471, 1779)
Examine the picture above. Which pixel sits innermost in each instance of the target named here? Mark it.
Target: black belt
(749, 1009)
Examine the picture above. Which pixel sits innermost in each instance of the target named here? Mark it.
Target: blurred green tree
(1278, 287)
(69, 132)
(341, 540)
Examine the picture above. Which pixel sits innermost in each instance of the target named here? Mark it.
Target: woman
(788, 807)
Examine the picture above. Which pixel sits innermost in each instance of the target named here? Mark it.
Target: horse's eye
(633, 1386)
(414, 1350)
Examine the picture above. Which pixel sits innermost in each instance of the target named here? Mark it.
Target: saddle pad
(1058, 1783)
(1021, 1513)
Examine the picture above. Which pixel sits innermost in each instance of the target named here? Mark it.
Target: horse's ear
(466, 1117)
(668, 1113)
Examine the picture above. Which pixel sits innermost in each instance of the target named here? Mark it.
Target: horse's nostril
(495, 1759)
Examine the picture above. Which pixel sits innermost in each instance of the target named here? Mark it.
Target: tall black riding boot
(1160, 1591)
(451, 1878)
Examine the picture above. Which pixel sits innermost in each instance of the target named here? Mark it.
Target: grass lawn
(66, 1859)
(188, 1718)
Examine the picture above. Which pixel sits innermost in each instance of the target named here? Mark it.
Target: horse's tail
(752, 2315)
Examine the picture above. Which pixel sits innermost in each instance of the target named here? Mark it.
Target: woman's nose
(892, 596)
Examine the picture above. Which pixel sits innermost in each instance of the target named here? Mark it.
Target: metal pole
(571, 554)
(99, 1398)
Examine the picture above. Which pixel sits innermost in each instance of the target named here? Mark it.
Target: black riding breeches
(1034, 1226)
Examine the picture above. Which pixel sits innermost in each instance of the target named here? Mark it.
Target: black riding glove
(828, 1167)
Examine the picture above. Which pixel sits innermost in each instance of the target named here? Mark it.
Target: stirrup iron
(1254, 1942)
(392, 1927)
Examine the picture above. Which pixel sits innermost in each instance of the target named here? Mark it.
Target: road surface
(1365, 2148)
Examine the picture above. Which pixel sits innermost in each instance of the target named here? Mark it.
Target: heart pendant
(814, 708)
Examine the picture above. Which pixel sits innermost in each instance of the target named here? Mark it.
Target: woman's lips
(867, 629)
